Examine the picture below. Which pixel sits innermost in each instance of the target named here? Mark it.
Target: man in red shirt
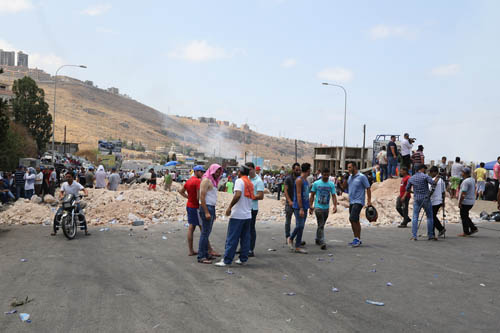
(192, 187)
(402, 202)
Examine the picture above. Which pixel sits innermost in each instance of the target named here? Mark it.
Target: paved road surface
(113, 282)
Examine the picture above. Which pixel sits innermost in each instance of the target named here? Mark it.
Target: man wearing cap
(258, 170)
(192, 187)
(466, 201)
(406, 148)
(420, 182)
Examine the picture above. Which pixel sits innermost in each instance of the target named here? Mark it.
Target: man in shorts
(480, 175)
(192, 187)
(152, 180)
(456, 176)
(356, 184)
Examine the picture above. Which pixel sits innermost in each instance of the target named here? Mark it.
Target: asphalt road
(114, 282)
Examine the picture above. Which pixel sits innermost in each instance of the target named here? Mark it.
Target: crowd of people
(305, 194)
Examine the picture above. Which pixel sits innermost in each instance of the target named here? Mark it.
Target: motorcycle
(70, 218)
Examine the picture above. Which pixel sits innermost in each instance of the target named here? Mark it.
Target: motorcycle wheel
(68, 226)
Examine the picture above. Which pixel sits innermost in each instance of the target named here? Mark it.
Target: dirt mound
(135, 202)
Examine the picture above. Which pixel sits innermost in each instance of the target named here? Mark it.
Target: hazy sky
(427, 67)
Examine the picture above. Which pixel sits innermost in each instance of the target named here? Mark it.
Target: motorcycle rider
(70, 187)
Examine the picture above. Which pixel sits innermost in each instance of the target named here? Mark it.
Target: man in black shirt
(392, 157)
(19, 182)
(289, 184)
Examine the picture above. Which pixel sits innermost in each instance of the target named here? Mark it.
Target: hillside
(91, 114)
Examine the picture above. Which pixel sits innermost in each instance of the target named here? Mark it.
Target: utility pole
(64, 144)
(295, 150)
(363, 150)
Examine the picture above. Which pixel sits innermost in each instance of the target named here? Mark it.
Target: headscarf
(100, 168)
(31, 171)
(209, 174)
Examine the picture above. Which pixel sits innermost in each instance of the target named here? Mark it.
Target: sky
(430, 68)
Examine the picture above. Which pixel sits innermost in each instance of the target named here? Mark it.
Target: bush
(18, 144)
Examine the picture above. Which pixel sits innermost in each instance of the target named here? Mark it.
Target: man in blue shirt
(420, 182)
(319, 202)
(357, 184)
(258, 186)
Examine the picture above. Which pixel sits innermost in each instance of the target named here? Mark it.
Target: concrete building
(114, 90)
(5, 92)
(330, 157)
(89, 83)
(61, 147)
(22, 59)
(7, 58)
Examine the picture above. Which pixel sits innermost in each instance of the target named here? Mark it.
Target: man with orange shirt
(403, 202)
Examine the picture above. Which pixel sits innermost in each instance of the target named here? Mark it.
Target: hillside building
(7, 58)
(114, 90)
(22, 59)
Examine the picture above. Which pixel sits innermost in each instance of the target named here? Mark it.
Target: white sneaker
(239, 262)
(220, 263)
(301, 250)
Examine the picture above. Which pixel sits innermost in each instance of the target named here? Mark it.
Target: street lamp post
(342, 158)
(54, 118)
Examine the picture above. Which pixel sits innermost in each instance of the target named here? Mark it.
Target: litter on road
(25, 317)
(10, 312)
(374, 303)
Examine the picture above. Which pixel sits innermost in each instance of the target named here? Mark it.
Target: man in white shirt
(238, 229)
(406, 147)
(382, 162)
(70, 187)
(456, 176)
(437, 198)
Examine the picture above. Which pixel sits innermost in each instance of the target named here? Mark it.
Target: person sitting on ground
(5, 193)
(70, 187)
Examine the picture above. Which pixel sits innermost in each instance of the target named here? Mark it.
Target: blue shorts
(193, 216)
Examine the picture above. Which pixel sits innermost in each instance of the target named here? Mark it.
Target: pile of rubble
(135, 203)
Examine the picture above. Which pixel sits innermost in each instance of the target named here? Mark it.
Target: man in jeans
(258, 186)
(289, 185)
(319, 202)
(392, 157)
(420, 182)
(300, 208)
(238, 229)
(466, 201)
(356, 185)
(403, 200)
(437, 199)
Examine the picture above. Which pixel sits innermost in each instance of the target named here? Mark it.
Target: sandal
(205, 261)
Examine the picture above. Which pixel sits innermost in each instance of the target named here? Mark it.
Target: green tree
(4, 120)
(31, 110)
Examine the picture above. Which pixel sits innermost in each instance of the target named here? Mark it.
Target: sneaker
(442, 232)
(239, 262)
(414, 239)
(355, 242)
(220, 264)
(300, 250)
(318, 242)
(303, 243)
(290, 243)
(323, 246)
(474, 231)
(433, 238)
(251, 254)
(402, 225)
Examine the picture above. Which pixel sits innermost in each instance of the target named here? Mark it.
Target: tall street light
(342, 158)
(54, 118)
